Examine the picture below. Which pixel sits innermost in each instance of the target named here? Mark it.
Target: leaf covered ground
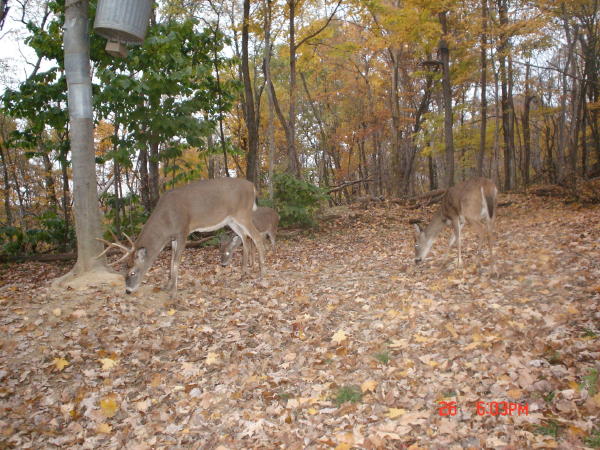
(344, 343)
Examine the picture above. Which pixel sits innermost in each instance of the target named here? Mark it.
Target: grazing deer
(473, 201)
(205, 205)
(265, 220)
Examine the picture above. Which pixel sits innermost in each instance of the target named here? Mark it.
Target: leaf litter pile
(343, 344)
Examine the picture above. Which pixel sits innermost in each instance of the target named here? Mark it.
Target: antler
(127, 251)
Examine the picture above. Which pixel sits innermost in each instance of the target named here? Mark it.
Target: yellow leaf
(343, 446)
(171, 312)
(339, 336)
(596, 399)
(104, 428)
(394, 413)
(572, 310)
(212, 358)
(515, 394)
(574, 385)
(107, 363)
(312, 411)
(60, 363)
(471, 346)
(57, 312)
(419, 338)
(109, 406)
(368, 385)
(451, 329)
(398, 343)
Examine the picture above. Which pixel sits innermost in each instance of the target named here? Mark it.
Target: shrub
(296, 200)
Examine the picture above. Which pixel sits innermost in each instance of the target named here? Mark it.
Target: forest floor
(344, 343)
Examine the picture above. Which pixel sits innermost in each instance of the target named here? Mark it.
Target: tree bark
(526, 130)
(447, 100)
(483, 84)
(270, 106)
(504, 84)
(77, 69)
(154, 174)
(250, 115)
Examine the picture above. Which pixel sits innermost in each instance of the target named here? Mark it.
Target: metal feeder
(122, 22)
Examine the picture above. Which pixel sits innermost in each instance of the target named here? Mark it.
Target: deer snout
(128, 291)
(418, 261)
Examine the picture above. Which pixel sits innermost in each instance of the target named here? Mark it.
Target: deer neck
(435, 226)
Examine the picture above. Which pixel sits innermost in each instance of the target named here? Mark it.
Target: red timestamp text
(487, 408)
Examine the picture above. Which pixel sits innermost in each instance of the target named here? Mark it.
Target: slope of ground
(344, 343)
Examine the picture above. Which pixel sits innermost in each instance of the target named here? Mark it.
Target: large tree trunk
(396, 150)
(506, 102)
(270, 106)
(250, 115)
(447, 101)
(88, 224)
(293, 162)
(526, 129)
(483, 84)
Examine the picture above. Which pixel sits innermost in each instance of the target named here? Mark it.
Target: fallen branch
(346, 184)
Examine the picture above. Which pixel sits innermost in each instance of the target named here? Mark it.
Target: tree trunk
(396, 182)
(506, 110)
(49, 180)
(7, 208)
(526, 130)
(483, 84)
(154, 174)
(77, 68)
(447, 101)
(249, 109)
(144, 181)
(293, 162)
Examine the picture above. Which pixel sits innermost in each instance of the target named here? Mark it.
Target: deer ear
(417, 228)
(237, 239)
(140, 254)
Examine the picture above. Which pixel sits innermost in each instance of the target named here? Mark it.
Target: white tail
(473, 201)
(265, 220)
(200, 206)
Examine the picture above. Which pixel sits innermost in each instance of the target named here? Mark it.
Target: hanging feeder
(122, 22)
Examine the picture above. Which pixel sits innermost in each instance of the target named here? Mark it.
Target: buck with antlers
(473, 201)
(205, 205)
(266, 221)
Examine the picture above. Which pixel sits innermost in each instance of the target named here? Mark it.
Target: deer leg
(456, 225)
(240, 232)
(250, 230)
(490, 240)
(272, 239)
(177, 247)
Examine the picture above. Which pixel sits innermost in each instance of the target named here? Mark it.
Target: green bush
(296, 200)
(52, 234)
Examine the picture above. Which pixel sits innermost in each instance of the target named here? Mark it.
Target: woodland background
(361, 98)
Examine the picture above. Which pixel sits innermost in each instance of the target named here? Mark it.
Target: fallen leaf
(339, 336)
(107, 363)
(104, 428)
(212, 358)
(368, 385)
(109, 406)
(60, 363)
(393, 413)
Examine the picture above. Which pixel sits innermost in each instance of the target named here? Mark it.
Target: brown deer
(203, 206)
(472, 201)
(266, 221)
